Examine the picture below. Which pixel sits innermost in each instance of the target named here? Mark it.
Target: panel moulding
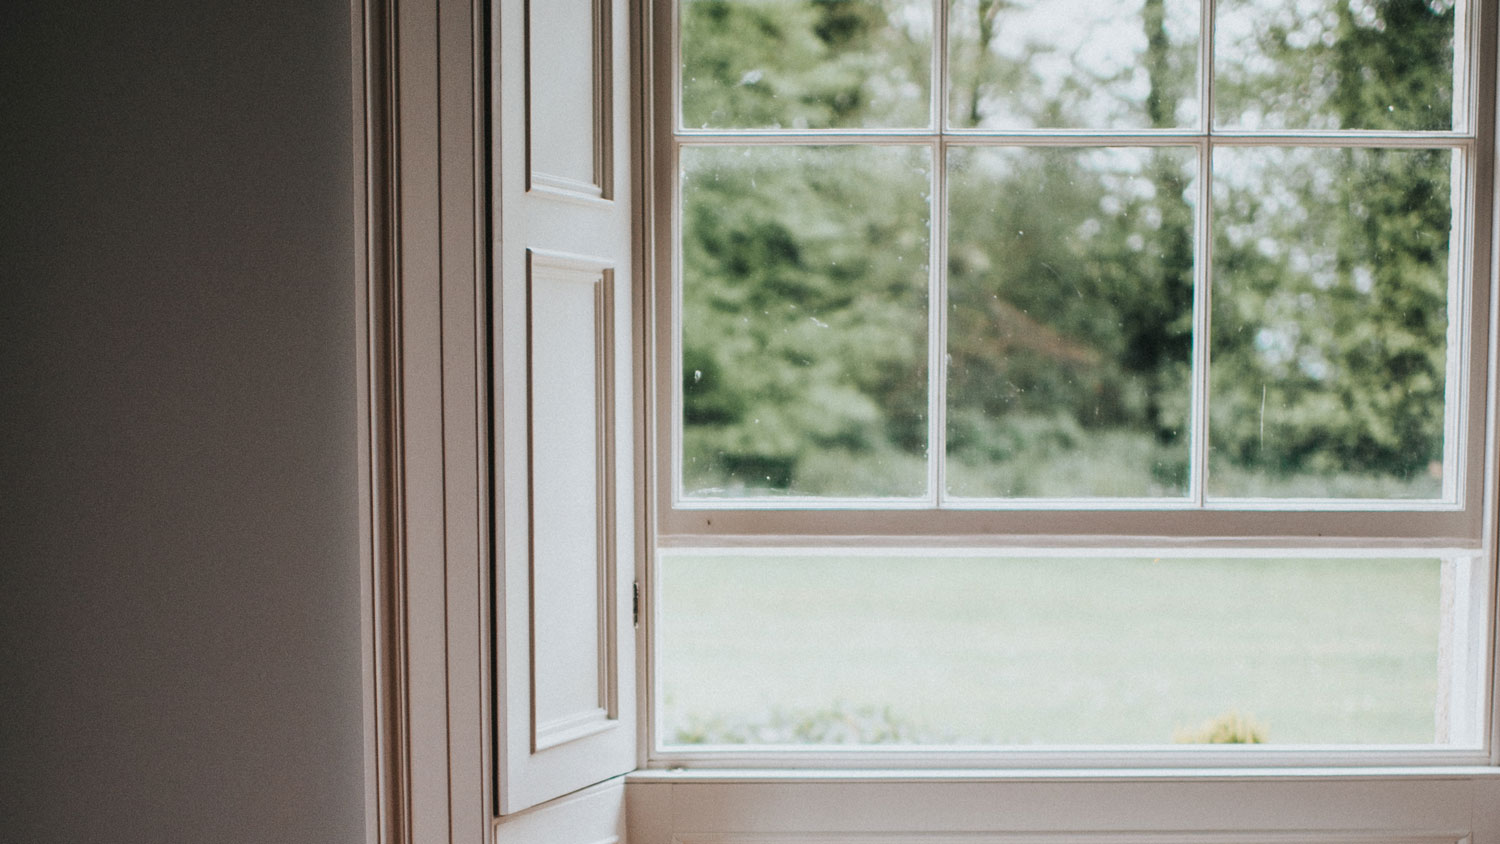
(602, 713)
(572, 728)
(598, 183)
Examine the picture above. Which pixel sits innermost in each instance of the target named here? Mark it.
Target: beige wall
(179, 582)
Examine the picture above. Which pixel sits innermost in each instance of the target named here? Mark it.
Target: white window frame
(1454, 528)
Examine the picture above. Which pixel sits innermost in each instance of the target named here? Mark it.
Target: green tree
(804, 318)
(799, 64)
(1071, 290)
(1330, 319)
(1070, 271)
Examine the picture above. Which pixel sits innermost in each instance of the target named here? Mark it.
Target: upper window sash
(1452, 519)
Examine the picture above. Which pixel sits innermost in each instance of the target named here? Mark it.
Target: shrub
(836, 724)
(1229, 728)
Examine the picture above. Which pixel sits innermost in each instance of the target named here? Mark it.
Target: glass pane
(803, 649)
(1334, 64)
(1070, 321)
(1095, 64)
(806, 64)
(804, 320)
(1330, 322)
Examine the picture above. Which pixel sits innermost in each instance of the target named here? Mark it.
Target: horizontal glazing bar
(976, 137)
(1342, 139)
(1115, 524)
(1082, 505)
(772, 544)
(775, 137)
(882, 547)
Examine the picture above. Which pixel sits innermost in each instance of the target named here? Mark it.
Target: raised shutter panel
(564, 398)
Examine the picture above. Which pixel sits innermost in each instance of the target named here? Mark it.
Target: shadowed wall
(179, 576)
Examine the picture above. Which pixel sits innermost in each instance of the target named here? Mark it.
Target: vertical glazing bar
(670, 190)
(937, 271)
(939, 86)
(1465, 80)
(1203, 261)
(1206, 67)
(1460, 275)
(937, 329)
(1202, 290)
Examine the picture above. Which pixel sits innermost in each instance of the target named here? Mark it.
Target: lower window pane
(1330, 322)
(1070, 321)
(1006, 651)
(804, 321)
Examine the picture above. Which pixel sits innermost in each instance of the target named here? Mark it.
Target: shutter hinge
(635, 603)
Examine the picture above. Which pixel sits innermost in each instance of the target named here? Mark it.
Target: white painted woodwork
(595, 815)
(571, 555)
(563, 400)
(420, 159)
(1464, 650)
(567, 74)
(1318, 808)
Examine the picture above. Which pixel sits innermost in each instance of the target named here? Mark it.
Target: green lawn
(1051, 650)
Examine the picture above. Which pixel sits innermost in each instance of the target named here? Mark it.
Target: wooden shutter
(564, 398)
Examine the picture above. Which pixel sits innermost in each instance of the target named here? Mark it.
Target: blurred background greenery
(1070, 269)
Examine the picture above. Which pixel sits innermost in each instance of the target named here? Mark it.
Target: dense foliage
(1069, 310)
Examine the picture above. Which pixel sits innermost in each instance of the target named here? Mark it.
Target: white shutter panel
(564, 422)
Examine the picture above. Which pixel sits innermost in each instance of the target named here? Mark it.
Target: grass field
(1051, 650)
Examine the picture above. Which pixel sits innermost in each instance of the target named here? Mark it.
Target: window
(1071, 374)
(502, 674)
